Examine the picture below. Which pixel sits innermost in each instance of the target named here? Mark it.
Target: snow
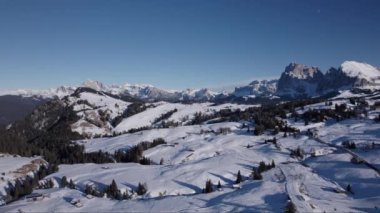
(89, 114)
(361, 70)
(59, 92)
(184, 112)
(362, 132)
(196, 153)
(11, 169)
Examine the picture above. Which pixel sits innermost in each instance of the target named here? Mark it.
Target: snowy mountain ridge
(296, 80)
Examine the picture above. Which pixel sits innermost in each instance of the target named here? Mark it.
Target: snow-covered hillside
(194, 154)
(362, 70)
(310, 155)
(97, 111)
(16, 167)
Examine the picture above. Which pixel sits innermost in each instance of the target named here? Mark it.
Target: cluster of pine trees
(256, 172)
(135, 153)
(349, 144)
(297, 153)
(132, 109)
(25, 186)
(112, 191)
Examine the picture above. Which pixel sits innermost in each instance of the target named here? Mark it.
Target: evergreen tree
(209, 187)
(162, 161)
(273, 165)
(28, 188)
(142, 188)
(259, 129)
(50, 184)
(64, 182)
(348, 188)
(17, 191)
(71, 184)
(290, 208)
(257, 175)
(126, 195)
(89, 190)
(238, 178)
(262, 167)
(113, 190)
(219, 185)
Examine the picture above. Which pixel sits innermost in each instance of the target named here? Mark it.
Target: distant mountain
(257, 88)
(299, 80)
(302, 81)
(59, 92)
(296, 81)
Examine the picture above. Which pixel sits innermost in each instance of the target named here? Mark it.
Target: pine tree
(50, 184)
(209, 187)
(262, 167)
(71, 184)
(64, 182)
(142, 188)
(162, 161)
(238, 178)
(257, 175)
(112, 190)
(28, 186)
(126, 195)
(88, 190)
(273, 165)
(219, 185)
(290, 208)
(348, 188)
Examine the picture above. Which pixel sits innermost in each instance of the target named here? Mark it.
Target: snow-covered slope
(98, 112)
(15, 167)
(194, 154)
(361, 70)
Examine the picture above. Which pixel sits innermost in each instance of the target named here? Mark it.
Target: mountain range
(296, 81)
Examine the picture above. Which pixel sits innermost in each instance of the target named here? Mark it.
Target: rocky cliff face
(299, 80)
(257, 88)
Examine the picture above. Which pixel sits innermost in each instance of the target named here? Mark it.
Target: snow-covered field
(194, 154)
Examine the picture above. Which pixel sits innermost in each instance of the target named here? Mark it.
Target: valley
(110, 152)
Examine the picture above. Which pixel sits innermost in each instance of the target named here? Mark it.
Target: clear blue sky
(178, 44)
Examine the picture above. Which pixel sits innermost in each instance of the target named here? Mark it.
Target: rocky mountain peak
(95, 85)
(301, 71)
